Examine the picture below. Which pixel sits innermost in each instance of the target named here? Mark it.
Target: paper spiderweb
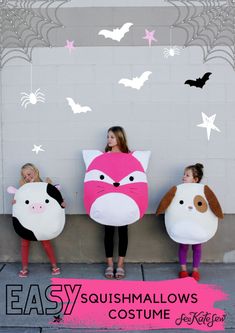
(209, 24)
(25, 24)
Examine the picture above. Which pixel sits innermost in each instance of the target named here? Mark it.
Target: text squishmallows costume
(37, 213)
(191, 213)
(116, 188)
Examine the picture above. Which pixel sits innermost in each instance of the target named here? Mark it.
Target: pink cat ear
(90, 155)
(58, 186)
(142, 157)
(12, 190)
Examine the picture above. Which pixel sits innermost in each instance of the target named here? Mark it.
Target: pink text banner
(135, 305)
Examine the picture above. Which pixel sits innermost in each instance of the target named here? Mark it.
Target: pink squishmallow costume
(116, 188)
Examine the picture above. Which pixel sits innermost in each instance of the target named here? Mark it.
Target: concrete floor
(222, 275)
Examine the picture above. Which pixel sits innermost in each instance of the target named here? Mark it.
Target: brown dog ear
(213, 202)
(166, 200)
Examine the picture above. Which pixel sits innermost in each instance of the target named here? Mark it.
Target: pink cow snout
(37, 208)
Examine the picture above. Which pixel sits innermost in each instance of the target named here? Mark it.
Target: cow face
(37, 213)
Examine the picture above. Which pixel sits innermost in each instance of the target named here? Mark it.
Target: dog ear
(166, 200)
(213, 202)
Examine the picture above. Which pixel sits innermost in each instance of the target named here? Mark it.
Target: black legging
(108, 240)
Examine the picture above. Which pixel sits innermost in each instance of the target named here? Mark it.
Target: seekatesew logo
(201, 318)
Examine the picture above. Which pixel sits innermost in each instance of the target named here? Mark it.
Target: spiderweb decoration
(209, 24)
(25, 24)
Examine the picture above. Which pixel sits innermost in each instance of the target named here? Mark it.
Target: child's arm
(63, 204)
(21, 182)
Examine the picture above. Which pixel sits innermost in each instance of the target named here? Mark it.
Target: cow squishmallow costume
(116, 188)
(191, 213)
(37, 214)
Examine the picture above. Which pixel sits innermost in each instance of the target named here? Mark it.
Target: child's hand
(13, 202)
(63, 204)
(48, 180)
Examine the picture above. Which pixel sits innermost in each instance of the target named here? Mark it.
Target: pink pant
(25, 251)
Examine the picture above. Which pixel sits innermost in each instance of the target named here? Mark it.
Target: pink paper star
(70, 45)
(149, 35)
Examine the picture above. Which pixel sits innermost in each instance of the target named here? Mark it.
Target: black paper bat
(200, 82)
(57, 319)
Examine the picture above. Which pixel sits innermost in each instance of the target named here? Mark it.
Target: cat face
(115, 189)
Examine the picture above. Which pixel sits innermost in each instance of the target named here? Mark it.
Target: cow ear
(213, 202)
(58, 186)
(54, 193)
(142, 157)
(90, 155)
(166, 200)
(12, 190)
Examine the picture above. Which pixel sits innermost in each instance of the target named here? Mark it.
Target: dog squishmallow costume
(191, 213)
(37, 213)
(116, 188)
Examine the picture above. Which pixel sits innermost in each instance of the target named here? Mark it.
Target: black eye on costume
(181, 202)
(27, 202)
(131, 178)
(199, 203)
(46, 201)
(101, 177)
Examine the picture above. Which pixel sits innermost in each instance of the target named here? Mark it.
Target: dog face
(191, 213)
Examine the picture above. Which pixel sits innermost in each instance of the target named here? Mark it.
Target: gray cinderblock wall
(162, 117)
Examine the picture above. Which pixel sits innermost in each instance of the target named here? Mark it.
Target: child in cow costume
(38, 214)
(191, 216)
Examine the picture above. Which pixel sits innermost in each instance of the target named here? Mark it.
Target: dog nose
(116, 184)
(190, 207)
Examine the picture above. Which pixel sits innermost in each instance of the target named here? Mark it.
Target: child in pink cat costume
(116, 192)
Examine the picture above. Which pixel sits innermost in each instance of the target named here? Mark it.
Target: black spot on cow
(53, 192)
(22, 231)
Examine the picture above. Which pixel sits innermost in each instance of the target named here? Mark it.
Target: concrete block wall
(162, 117)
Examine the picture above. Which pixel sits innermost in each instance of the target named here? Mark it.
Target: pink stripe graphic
(181, 303)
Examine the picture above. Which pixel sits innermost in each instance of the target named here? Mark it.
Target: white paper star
(208, 123)
(37, 149)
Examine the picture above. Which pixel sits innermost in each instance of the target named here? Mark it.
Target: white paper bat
(136, 82)
(77, 108)
(118, 33)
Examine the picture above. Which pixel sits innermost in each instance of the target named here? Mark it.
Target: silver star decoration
(209, 24)
(208, 123)
(24, 25)
(37, 149)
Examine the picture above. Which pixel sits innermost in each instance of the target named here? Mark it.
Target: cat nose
(190, 207)
(116, 184)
